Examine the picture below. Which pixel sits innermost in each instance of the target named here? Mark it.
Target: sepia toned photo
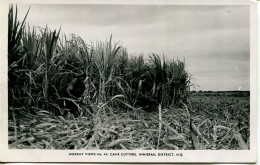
(129, 77)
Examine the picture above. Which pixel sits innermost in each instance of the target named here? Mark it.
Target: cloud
(213, 40)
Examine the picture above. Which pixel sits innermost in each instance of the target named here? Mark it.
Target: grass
(212, 129)
(128, 102)
(220, 119)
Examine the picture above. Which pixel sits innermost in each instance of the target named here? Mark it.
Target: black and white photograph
(128, 77)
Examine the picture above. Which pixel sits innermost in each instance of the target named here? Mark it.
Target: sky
(213, 40)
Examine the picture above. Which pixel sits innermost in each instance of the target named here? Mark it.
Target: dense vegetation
(126, 102)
